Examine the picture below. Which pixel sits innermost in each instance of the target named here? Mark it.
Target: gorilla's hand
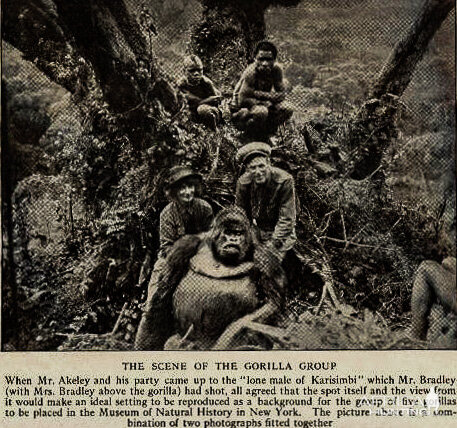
(232, 333)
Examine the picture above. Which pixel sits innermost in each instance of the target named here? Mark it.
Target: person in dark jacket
(186, 214)
(267, 194)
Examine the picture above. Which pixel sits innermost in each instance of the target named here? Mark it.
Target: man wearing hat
(267, 194)
(186, 214)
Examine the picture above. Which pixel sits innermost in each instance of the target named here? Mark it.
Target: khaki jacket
(271, 208)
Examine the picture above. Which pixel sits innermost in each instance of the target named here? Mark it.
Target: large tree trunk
(374, 127)
(399, 68)
(9, 292)
(59, 35)
(99, 37)
(33, 27)
(98, 51)
(227, 35)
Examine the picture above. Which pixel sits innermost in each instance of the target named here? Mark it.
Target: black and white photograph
(236, 175)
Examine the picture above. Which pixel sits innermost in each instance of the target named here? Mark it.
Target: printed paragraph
(227, 394)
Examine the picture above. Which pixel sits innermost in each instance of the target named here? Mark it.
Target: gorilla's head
(231, 236)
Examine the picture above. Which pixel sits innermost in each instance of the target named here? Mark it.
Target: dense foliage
(87, 182)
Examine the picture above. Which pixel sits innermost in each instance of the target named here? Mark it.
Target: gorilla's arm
(261, 315)
(160, 313)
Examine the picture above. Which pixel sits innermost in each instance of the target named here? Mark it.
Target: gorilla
(212, 286)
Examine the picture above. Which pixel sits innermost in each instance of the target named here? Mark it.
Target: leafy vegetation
(88, 183)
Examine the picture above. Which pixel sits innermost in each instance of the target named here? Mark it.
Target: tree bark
(399, 68)
(9, 289)
(226, 37)
(98, 37)
(33, 27)
(57, 33)
(374, 127)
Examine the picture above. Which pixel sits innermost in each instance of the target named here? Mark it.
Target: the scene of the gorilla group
(228, 175)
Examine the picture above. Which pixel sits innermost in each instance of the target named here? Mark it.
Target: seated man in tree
(210, 289)
(258, 99)
(202, 96)
(433, 283)
(185, 214)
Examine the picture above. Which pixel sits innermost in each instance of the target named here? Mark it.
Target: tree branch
(379, 112)
(399, 68)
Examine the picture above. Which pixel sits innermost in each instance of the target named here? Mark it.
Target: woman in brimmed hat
(186, 214)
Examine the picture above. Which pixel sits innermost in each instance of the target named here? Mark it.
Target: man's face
(231, 245)
(259, 168)
(194, 75)
(264, 61)
(185, 193)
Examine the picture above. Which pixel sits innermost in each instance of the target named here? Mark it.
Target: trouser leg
(144, 334)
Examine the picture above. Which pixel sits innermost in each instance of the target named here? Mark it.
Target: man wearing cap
(267, 194)
(202, 96)
(186, 214)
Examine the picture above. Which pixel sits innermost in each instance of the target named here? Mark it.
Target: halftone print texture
(83, 180)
